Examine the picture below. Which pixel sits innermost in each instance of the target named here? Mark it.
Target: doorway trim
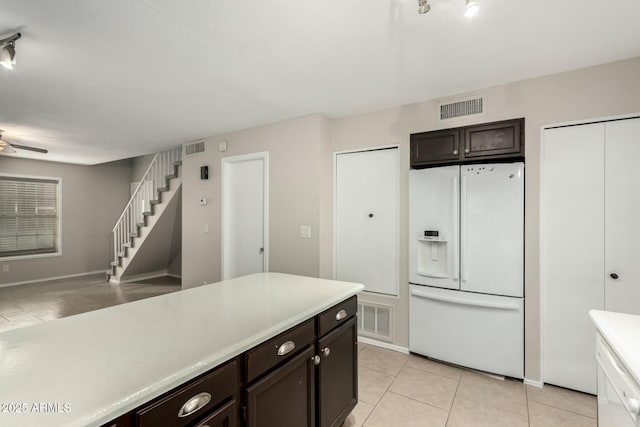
(224, 191)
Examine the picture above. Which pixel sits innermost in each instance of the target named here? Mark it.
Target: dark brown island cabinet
(496, 141)
(306, 376)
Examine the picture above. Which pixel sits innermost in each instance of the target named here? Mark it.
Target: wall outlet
(305, 232)
(5, 268)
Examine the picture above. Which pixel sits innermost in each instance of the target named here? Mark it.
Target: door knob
(370, 215)
(261, 251)
(614, 276)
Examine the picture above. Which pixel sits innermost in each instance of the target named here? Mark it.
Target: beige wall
(92, 200)
(294, 148)
(302, 150)
(605, 90)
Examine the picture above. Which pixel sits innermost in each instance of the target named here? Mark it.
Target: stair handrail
(162, 163)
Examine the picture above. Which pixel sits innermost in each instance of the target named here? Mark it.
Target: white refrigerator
(466, 266)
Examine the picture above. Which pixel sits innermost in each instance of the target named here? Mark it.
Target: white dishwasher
(618, 392)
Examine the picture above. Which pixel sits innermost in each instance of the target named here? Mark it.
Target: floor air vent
(194, 148)
(462, 108)
(375, 321)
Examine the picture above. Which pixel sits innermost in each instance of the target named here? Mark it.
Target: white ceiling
(102, 80)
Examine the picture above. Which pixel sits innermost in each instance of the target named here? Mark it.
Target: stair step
(177, 163)
(163, 189)
(141, 224)
(154, 202)
(172, 176)
(133, 234)
(127, 245)
(121, 254)
(115, 263)
(147, 213)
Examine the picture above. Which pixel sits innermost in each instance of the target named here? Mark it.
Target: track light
(472, 8)
(423, 7)
(8, 51)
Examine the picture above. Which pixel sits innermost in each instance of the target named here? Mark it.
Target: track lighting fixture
(472, 8)
(423, 7)
(8, 51)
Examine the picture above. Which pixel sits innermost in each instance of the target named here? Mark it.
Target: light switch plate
(305, 232)
(222, 146)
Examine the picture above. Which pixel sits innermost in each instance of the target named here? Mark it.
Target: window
(29, 221)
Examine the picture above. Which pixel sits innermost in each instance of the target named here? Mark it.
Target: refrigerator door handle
(463, 229)
(454, 242)
(462, 301)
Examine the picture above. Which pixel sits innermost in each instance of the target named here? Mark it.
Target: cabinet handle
(325, 352)
(194, 404)
(315, 359)
(341, 315)
(614, 276)
(455, 152)
(286, 348)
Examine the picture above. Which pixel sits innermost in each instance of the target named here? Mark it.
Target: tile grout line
(526, 396)
(565, 410)
(453, 401)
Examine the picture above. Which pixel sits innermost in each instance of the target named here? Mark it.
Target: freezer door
(492, 229)
(433, 208)
(484, 332)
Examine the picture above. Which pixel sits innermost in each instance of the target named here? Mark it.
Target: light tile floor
(40, 302)
(397, 389)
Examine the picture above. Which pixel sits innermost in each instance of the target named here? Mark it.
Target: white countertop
(622, 333)
(105, 363)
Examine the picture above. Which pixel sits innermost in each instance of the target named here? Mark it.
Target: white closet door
(622, 202)
(367, 219)
(571, 252)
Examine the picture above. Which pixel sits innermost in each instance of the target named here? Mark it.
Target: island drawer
(337, 315)
(193, 400)
(279, 349)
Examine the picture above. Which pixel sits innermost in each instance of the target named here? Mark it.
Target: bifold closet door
(571, 252)
(367, 219)
(622, 212)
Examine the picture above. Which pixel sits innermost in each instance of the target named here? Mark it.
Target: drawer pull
(194, 404)
(341, 315)
(286, 348)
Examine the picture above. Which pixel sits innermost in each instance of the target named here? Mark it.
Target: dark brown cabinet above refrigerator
(487, 142)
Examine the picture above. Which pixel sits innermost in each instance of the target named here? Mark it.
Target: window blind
(28, 216)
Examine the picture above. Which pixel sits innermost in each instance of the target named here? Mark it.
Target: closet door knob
(614, 276)
(370, 215)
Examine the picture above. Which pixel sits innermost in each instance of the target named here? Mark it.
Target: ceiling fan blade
(24, 147)
(6, 149)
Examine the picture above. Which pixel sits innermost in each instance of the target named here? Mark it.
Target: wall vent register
(461, 108)
(375, 321)
(194, 148)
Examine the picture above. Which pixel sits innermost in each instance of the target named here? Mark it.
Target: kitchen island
(92, 368)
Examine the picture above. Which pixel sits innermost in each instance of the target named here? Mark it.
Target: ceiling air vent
(462, 108)
(194, 148)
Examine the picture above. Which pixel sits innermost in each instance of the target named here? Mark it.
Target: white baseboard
(176, 276)
(538, 384)
(383, 344)
(47, 279)
(138, 277)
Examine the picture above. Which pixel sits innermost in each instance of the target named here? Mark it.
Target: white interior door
(244, 215)
(622, 211)
(571, 252)
(367, 219)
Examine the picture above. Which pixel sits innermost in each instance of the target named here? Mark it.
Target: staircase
(158, 186)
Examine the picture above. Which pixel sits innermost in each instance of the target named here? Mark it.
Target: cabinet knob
(614, 276)
(455, 152)
(370, 215)
(325, 352)
(315, 359)
(466, 150)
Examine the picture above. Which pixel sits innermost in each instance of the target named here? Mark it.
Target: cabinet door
(571, 249)
(227, 416)
(622, 210)
(437, 147)
(494, 140)
(285, 397)
(338, 374)
(367, 219)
